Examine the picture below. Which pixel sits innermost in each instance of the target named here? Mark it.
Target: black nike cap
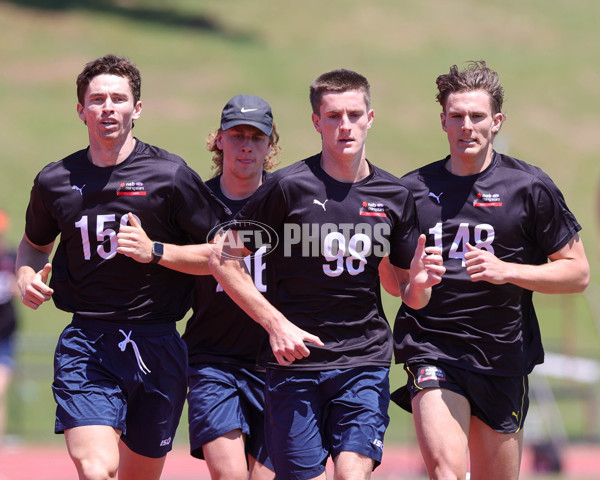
(247, 110)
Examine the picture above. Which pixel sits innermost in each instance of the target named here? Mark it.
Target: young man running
(120, 366)
(330, 224)
(505, 231)
(226, 388)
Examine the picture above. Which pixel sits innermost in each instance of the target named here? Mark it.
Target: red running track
(30, 462)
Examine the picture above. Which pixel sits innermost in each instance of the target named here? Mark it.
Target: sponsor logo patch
(430, 373)
(487, 200)
(131, 189)
(372, 209)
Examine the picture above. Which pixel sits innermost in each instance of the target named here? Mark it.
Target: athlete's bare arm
(33, 269)
(567, 272)
(227, 265)
(134, 243)
(388, 277)
(414, 285)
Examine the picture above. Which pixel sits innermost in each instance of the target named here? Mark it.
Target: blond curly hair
(271, 160)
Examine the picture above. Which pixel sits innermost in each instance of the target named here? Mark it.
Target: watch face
(158, 249)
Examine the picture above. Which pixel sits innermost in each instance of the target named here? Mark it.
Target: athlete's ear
(316, 119)
(80, 112)
(443, 120)
(137, 110)
(498, 119)
(370, 117)
(219, 140)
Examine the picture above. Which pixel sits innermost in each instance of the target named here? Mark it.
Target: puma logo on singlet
(315, 201)
(79, 189)
(437, 197)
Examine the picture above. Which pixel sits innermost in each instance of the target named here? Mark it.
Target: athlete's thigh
(94, 449)
(494, 456)
(258, 471)
(133, 466)
(353, 466)
(441, 419)
(226, 456)
(213, 406)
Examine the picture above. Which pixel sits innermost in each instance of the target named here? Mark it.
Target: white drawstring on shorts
(138, 357)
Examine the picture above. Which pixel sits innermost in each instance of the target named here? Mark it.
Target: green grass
(194, 55)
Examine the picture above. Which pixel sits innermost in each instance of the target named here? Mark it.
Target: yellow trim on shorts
(522, 403)
(407, 368)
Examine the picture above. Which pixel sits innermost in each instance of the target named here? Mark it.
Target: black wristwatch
(158, 249)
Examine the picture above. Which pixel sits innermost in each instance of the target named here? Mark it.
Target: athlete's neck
(347, 170)
(109, 154)
(464, 165)
(239, 189)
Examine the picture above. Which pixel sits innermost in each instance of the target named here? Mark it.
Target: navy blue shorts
(7, 352)
(225, 398)
(499, 402)
(134, 382)
(311, 415)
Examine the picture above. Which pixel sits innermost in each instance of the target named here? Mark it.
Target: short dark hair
(339, 81)
(476, 76)
(111, 65)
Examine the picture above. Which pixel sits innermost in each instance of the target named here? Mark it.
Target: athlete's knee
(233, 474)
(95, 469)
(227, 470)
(259, 472)
(353, 466)
(446, 472)
(356, 475)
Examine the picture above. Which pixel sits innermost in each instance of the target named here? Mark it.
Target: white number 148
(483, 237)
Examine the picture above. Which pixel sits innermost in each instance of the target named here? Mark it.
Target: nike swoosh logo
(246, 110)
